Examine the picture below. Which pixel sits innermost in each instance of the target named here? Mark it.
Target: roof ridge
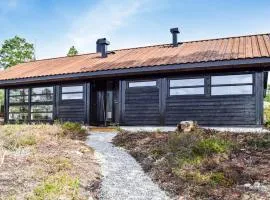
(149, 46)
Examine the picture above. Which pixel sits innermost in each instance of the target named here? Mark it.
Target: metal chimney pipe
(174, 32)
(102, 44)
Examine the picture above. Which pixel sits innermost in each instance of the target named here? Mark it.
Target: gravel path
(123, 177)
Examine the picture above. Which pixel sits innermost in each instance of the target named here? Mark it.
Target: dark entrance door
(105, 106)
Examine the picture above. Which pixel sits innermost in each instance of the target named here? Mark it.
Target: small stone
(256, 184)
(263, 188)
(79, 153)
(245, 197)
(247, 185)
(186, 126)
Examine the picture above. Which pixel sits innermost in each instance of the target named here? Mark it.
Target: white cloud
(101, 20)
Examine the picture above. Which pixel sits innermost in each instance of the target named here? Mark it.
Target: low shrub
(179, 141)
(218, 178)
(73, 129)
(210, 146)
(260, 142)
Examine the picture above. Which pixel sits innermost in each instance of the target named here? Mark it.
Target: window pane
(18, 116)
(187, 91)
(230, 90)
(231, 79)
(41, 108)
(42, 90)
(23, 91)
(18, 108)
(78, 88)
(41, 116)
(186, 82)
(18, 99)
(42, 98)
(142, 84)
(72, 96)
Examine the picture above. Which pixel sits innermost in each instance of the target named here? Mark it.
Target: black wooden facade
(152, 99)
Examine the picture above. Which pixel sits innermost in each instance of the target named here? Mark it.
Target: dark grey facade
(212, 98)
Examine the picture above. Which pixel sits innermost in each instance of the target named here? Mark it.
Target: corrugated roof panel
(243, 47)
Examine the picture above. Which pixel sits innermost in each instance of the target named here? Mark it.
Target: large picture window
(194, 86)
(72, 92)
(42, 103)
(18, 104)
(232, 84)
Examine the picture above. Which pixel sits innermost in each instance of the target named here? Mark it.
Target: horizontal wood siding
(72, 111)
(212, 111)
(142, 106)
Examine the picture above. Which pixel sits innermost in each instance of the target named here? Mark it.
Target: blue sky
(54, 26)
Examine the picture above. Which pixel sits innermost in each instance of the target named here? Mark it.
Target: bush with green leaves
(73, 129)
(210, 146)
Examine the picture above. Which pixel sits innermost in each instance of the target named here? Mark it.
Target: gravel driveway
(123, 177)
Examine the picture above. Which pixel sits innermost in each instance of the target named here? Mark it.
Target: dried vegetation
(45, 162)
(202, 164)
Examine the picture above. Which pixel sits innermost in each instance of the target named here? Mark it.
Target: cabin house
(215, 82)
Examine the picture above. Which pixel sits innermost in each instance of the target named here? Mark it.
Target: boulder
(186, 126)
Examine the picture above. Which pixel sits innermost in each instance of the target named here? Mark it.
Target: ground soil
(245, 163)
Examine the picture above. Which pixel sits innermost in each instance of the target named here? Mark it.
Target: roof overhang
(256, 64)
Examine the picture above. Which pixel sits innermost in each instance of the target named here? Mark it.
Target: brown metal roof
(233, 48)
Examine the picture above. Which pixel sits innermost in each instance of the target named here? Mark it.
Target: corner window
(142, 84)
(72, 92)
(193, 86)
(232, 84)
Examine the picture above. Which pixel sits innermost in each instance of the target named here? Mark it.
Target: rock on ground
(123, 177)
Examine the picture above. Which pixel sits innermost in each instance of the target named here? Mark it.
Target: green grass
(56, 186)
(73, 129)
(189, 152)
(210, 146)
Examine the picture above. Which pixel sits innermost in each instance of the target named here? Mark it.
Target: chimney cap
(103, 41)
(174, 30)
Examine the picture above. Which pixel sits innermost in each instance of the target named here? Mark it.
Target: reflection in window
(18, 99)
(18, 109)
(186, 91)
(194, 86)
(41, 108)
(18, 116)
(231, 90)
(231, 79)
(42, 103)
(20, 92)
(72, 96)
(18, 104)
(42, 98)
(186, 82)
(72, 92)
(41, 116)
(142, 84)
(70, 89)
(232, 84)
(42, 90)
